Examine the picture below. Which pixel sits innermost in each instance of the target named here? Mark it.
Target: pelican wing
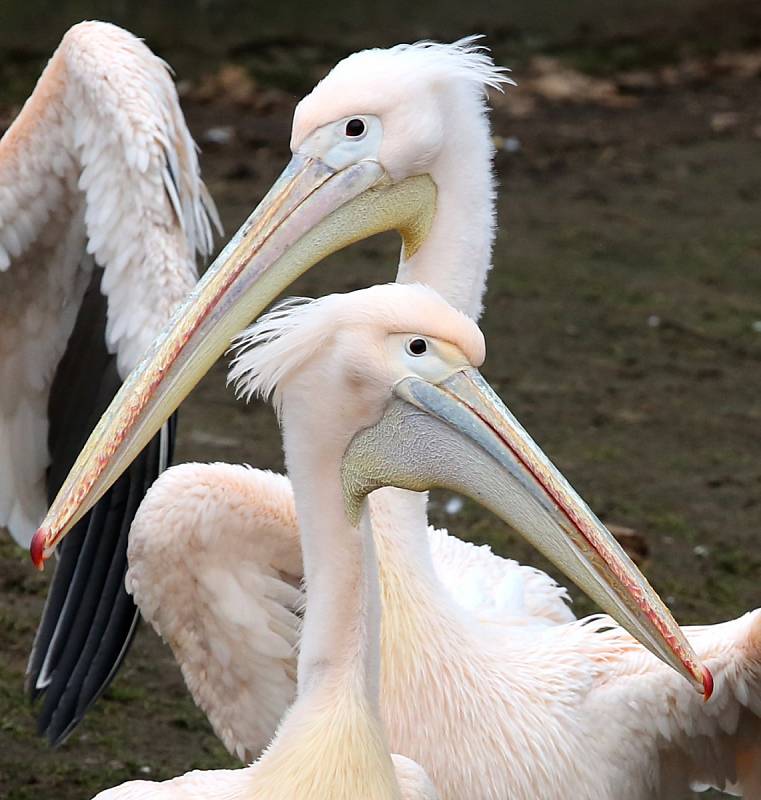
(662, 724)
(497, 590)
(215, 567)
(99, 167)
(89, 619)
(99, 186)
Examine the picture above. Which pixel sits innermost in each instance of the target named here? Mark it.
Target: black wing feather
(89, 620)
(85, 593)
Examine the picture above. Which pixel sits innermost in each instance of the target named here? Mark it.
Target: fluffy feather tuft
(464, 59)
(424, 62)
(290, 335)
(277, 344)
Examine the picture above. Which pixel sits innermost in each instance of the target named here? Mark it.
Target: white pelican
(462, 683)
(380, 388)
(393, 139)
(406, 94)
(102, 212)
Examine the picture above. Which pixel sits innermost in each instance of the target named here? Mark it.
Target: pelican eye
(417, 346)
(355, 127)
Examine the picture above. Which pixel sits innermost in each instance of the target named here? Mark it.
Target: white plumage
(235, 625)
(459, 697)
(487, 690)
(497, 590)
(489, 702)
(234, 628)
(99, 167)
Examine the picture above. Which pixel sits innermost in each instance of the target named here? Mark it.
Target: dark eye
(416, 347)
(355, 127)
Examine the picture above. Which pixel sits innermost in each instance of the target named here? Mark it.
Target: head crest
(464, 59)
(372, 81)
(278, 343)
(282, 341)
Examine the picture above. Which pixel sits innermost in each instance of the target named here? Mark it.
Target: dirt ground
(623, 323)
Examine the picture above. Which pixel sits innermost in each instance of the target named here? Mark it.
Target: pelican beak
(311, 211)
(475, 446)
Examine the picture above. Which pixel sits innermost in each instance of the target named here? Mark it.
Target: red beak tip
(707, 684)
(37, 548)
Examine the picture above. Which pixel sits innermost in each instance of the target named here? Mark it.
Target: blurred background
(623, 318)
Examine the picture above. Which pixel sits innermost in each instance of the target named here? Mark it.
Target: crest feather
(464, 59)
(282, 341)
(276, 344)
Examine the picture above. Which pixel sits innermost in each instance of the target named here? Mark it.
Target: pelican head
(381, 143)
(389, 377)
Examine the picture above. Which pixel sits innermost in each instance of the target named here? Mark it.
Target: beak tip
(707, 684)
(37, 548)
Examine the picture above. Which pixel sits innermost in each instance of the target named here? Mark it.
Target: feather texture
(274, 348)
(235, 529)
(94, 170)
(488, 649)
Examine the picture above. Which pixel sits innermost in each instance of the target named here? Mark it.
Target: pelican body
(315, 208)
(417, 415)
(102, 214)
(495, 695)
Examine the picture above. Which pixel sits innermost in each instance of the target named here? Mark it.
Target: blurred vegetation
(286, 43)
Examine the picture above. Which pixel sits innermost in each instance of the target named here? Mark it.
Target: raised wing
(99, 186)
(215, 567)
(98, 167)
(666, 727)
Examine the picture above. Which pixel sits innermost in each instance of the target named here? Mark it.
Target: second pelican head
(385, 381)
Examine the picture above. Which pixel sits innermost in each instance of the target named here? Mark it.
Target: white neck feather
(331, 742)
(340, 643)
(454, 260)
(400, 529)
(456, 256)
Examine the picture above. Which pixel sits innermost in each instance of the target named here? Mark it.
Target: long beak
(475, 446)
(310, 212)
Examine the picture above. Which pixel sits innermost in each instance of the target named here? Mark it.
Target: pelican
(215, 559)
(400, 367)
(102, 213)
(447, 223)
